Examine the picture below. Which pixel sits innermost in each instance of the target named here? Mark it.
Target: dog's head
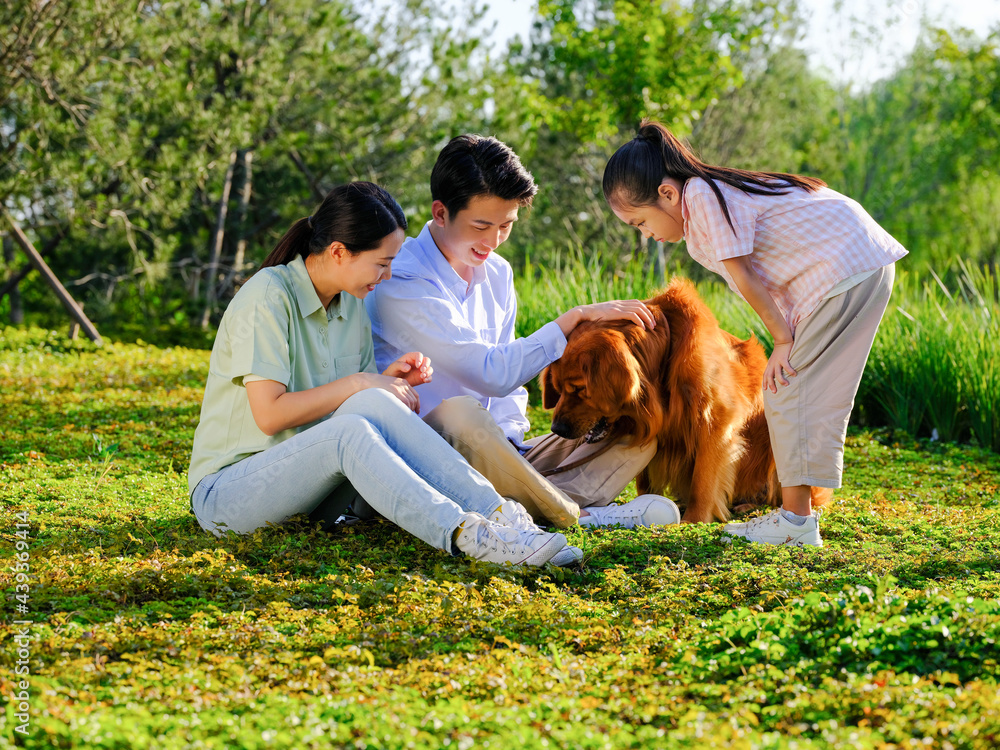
(608, 373)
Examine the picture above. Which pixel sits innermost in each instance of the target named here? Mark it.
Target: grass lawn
(146, 632)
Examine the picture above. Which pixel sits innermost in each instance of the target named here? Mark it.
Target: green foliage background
(122, 124)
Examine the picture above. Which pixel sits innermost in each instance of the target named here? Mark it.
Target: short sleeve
(710, 223)
(257, 336)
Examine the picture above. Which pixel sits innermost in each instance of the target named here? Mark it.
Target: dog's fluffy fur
(687, 384)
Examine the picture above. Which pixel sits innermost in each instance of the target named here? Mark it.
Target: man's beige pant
(471, 430)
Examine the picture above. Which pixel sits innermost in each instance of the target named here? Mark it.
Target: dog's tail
(821, 496)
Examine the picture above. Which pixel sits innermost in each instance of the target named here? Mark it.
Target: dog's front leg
(714, 478)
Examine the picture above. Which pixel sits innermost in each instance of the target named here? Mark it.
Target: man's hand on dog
(629, 309)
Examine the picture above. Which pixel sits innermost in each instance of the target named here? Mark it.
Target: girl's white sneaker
(774, 528)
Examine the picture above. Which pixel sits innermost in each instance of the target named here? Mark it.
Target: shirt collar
(684, 206)
(435, 259)
(305, 292)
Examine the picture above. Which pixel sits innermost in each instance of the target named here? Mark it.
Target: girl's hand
(777, 366)
(398, 387)
(413, 367)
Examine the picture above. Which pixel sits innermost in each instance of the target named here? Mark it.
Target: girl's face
(663, 220)
(359, 274)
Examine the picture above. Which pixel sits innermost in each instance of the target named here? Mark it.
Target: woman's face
(359, 274)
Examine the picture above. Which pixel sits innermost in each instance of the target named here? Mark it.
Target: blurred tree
(48, 53)
(921, 149)
(593, 70)
(179, 103)
(155, 151)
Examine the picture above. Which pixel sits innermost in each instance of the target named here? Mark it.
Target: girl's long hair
(636, 170)
(359, 215)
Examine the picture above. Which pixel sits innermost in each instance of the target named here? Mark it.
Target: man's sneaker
(514, 515)
(774, 528)
(484, 540)
(645, 510)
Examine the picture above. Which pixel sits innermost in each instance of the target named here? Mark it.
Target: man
(452, 298)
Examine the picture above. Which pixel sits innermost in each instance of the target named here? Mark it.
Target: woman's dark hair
(359, 215)
(474, 165)
(636, 170)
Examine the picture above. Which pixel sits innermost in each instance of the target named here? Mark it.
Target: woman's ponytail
(359, 215)
(294, 243)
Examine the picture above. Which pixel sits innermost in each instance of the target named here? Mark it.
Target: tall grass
(935, 367)
(545, 292)
(934, 370)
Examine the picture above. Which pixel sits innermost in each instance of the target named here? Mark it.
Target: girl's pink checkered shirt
(802, 243)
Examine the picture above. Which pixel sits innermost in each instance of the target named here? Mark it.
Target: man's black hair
(474, 165)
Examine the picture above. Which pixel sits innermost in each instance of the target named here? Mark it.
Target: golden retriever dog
(687, 384)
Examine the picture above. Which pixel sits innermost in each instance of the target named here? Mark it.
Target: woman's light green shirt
(276, 328)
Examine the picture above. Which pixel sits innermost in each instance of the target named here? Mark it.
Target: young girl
(295, 419)
(811, 262)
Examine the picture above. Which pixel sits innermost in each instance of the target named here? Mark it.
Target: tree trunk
(12, 282)
(246, 186)
(313, 184)
(65, 297)
(14, 279)
(16, 307)
(211, 282)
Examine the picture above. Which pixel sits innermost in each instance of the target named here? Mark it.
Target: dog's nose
(562, 429)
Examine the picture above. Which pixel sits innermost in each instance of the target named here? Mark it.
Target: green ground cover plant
(148, 633)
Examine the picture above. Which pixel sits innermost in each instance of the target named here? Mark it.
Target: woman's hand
(413, 367)
(778, 366)
(398, 387)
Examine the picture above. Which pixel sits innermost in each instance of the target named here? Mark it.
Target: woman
(294, 410)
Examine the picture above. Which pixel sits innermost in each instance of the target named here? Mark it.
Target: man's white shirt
(466, 329)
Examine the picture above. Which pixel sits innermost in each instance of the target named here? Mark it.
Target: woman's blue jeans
(400, 466)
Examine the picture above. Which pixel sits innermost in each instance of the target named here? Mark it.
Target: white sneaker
(484, 540)
(514, 515)
(645, 510)
(774, 528)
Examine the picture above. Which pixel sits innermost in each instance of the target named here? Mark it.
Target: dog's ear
(550, 396)
(614, 373)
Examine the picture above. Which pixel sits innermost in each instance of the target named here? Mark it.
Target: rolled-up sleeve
(258, 336)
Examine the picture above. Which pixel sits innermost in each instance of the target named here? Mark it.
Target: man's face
(467, 238)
